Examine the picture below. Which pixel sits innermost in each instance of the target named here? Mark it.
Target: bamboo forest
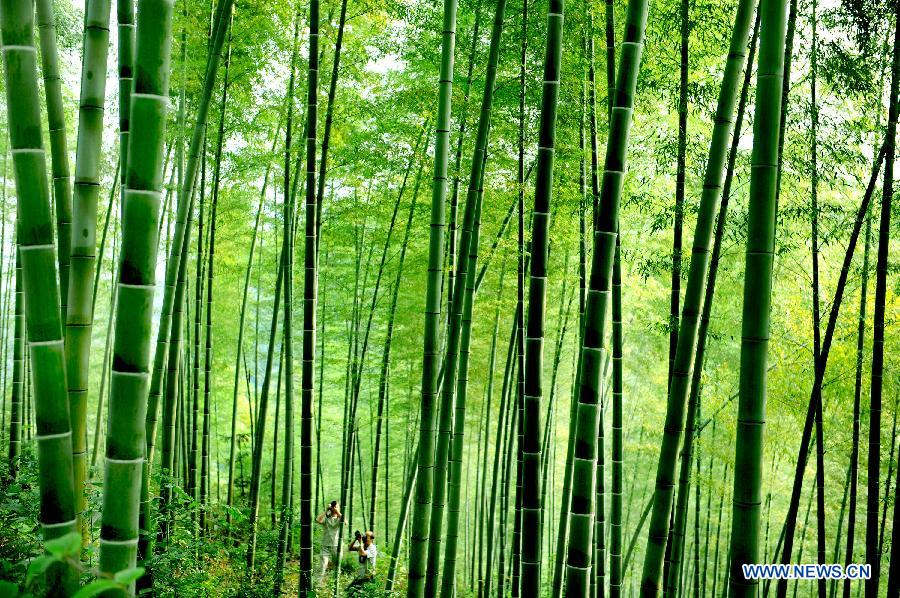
(484, 298)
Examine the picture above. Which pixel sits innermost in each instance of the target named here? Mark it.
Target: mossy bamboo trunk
(103, 236)
(107, 350)
(565, 499)
(485, 432)
(18, 374)
(503, 425)
(715, 571)
(329, 115)
(448, 579)
(857, 400)
(709, 293)
(893, 587)
(125, 440)
(176, 369)
(744, 546)
(196, 338)
(618, 387)
(816, 310)
(452, 236)
(203, 495)
(593, 346)
(404, 508)
(615, 514)
(184, 214)
(456, 361)
(83, 259)
(451, 363)
(431, 337)
(680, 388)
(873, 554)
(59, 149)
(39, 280)
(310, 289)
(887, 480)
(598, 565)
(6, 302)
(532, 509)
(232, 451)
(125, 21)
(401, 522)
(259, 431)
(521, 267)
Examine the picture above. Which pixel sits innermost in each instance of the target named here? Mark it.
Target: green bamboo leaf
(96, 588)
(68, 545)
(128, 576)
(38, 566)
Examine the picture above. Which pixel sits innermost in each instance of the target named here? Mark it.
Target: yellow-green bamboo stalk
(136, 285)
(38, 256)
(83, 259)
(59, 149)
(757, 299)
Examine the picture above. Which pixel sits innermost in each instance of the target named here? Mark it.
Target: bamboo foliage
(451, 518)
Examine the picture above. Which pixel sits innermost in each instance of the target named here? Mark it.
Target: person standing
(364, 546)
(330, 519)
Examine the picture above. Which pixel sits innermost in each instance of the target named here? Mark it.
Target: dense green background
(385, 93)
